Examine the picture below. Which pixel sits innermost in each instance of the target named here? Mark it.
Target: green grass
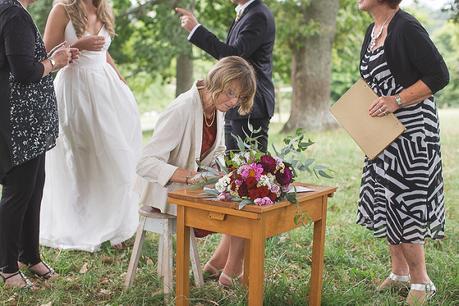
(355, 262)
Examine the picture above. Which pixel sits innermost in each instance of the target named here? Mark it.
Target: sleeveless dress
(401, 194)
(88, 197)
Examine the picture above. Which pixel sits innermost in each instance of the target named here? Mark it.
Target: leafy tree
(447, 41)
(307, 29)
(39, 11)
(350, 30)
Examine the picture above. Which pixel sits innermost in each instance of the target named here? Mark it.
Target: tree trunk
(184, 71)
(311, 71)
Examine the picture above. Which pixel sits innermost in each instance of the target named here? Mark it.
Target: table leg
(315, 291)
(245, 279)
(182, 259)
(257, 267)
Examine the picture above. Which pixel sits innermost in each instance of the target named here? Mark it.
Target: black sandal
(27, 283)
(48, 275)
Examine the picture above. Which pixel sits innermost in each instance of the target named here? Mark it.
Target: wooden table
(255, 224)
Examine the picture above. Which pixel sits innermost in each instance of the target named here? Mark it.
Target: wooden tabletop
(198, 197)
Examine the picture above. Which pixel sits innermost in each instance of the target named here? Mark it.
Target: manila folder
(372, 134)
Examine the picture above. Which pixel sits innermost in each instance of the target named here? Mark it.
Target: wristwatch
(53, 64)
(398, 100)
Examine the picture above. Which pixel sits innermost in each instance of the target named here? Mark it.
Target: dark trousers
(238, 127)
(20, 214)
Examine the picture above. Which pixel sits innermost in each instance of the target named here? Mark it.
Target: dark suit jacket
(251, 37)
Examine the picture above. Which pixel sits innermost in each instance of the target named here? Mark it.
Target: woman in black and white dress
(401, 195)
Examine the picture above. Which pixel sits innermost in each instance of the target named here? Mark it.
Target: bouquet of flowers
(254, 177)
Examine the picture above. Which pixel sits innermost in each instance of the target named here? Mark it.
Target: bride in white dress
(88, 197)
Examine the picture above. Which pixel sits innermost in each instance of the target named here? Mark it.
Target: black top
(251, 37)
(28, 111)
(410, 54)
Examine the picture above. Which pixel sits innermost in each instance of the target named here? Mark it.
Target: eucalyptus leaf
(244, 202)
(291, 197)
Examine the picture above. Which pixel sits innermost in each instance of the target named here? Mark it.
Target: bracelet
(398, 100)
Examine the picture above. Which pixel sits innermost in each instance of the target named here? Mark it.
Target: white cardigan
(176, 143)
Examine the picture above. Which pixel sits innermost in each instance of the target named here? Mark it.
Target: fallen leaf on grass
(149, 261)
(105, 292)
(107, 259)
(47, 304)
(84, 268)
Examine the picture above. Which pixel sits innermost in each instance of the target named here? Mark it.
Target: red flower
(251, 182)
(259, 192)
(273, 196)
(268, 163)
(286, 177)
(242, 191)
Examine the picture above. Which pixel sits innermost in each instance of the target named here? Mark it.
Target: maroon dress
(209, 134)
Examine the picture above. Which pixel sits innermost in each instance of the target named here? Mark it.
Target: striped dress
(401, 194)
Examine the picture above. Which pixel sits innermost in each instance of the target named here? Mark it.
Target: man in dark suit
(250, 36)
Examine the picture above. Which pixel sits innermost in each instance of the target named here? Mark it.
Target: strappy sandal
(394, 281)
(210, 272)
(230, 281)
(420, 293)
(50, 274)
(27, 283)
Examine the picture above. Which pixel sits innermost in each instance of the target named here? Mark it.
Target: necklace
(212, 120)
(203, 113)
(374, 37)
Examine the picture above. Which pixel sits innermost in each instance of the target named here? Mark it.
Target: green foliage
(40, 11)
(447, 41)
(350, 30)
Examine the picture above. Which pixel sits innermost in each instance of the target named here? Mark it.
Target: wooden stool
(164, 225)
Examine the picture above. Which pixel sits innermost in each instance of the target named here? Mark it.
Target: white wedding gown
(88, 196)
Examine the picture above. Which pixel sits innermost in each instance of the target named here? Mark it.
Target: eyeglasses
(232, 95)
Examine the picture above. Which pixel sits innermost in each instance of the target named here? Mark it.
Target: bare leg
(233, 267)
(414, 255)
(421, 286)
(220, 256)
(398, 260)
(400, 269)
(236, 257)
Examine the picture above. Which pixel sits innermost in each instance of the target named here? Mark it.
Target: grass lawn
(355, 262)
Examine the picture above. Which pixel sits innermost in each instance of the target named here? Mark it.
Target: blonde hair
(227, 70)
(77, 14)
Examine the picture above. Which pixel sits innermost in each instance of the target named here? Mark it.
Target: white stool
(164, 225)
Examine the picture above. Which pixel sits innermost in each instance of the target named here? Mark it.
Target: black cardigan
(28, 111)
(410, 54)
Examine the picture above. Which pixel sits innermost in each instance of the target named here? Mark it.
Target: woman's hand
(90, 43)
(62, 57)
(64, 45)
(383, 106)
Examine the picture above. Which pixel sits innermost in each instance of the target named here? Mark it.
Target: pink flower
(253, 169)
(224, 196)
(275, 188)
(263, 201)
